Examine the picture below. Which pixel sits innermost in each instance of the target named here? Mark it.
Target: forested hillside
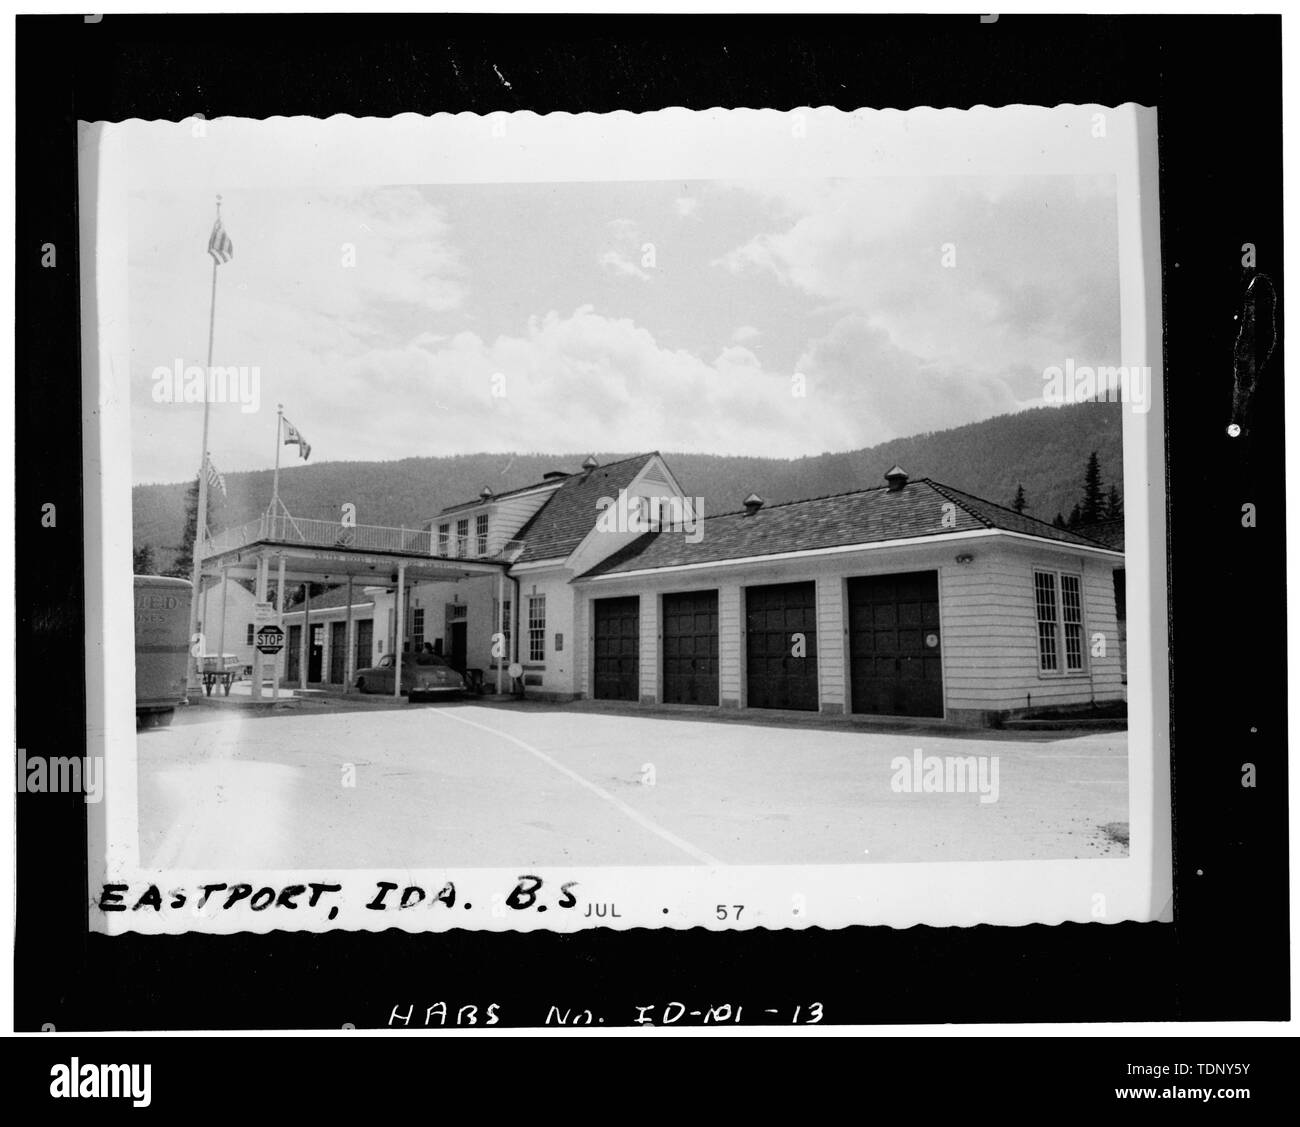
(1045, 450)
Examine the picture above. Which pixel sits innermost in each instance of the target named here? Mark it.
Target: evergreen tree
(1093, 505)
(1076, 517)
(1114, 505)
(142, 561)
(1058, 521)
(1019, 503)
(184, 561)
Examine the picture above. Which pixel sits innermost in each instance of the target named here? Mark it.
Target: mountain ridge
(1044, 448)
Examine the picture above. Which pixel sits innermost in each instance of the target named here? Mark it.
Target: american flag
(219, 244)
(215, 478)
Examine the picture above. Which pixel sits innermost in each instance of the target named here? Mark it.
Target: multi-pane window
(537, 628)
(1072, 621)
(501, 613)
(1058, 612)
(248, 638)
(444, 538)
(462, 537)
(417, 628)
(1045, 612)
(480, 534)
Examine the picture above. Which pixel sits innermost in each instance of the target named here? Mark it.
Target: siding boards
(730, 644)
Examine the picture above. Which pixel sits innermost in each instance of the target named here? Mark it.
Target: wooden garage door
(894, 644)
(781, 625)
(617, 646)
(691, 648)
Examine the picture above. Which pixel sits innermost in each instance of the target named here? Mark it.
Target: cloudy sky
(570, 317)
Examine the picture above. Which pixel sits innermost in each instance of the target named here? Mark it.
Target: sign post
(270, 641)
(264, 615)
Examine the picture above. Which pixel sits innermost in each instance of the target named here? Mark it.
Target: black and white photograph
(591, 523)
(718, 515)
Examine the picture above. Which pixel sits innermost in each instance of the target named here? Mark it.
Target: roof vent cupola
(897, 478)
(590, 463)
(752, 504)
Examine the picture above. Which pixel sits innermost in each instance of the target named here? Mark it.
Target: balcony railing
(285, 529)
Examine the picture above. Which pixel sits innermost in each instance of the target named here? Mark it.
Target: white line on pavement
(636, 816)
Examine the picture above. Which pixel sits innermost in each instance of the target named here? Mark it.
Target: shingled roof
(1108, 533)
(329, 600)
(568, 516)
(868, 516)
(479, 501)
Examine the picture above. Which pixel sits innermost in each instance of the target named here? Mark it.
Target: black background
(1217, 85)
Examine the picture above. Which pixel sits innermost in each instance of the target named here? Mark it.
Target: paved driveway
(466, 785)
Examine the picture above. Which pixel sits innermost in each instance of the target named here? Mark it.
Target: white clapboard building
(908, 598)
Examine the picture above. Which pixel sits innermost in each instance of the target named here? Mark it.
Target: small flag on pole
(293, 436)
(219, 244)
(215, 479)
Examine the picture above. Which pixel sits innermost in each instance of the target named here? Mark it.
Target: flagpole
(275, 480)
(201, 522)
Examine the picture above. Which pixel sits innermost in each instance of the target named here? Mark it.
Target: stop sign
(270, 639)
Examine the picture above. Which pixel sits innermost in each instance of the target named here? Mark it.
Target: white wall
(478, 595)
(558, 672)
(239, 613)
(988, 631)
(991, 638)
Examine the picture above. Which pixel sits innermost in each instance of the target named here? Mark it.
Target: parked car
(423, 675)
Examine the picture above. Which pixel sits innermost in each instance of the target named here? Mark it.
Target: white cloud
(890, 392)
(563, 384)
(619, 263)
(1035, 276)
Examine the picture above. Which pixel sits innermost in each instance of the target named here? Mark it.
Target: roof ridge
(540, 484)
(1022, 516)
(801, 501)
(629, 458)
(948, 491)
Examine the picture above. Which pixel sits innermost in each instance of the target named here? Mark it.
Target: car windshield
(425, 659)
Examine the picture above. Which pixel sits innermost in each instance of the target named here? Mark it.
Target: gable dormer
(651, 500)
(486, 528)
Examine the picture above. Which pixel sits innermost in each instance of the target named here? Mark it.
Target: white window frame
(462, 538)
(444, 539)
(1060, 634)
(536, 628)
(417, 627)
(481, 534)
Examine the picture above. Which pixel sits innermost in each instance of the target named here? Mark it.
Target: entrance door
(781, 646)
(338, 652)
(316, 652)
(294, 649)
(365, 644)
(459, 645)
(894, 636)
(691, 648)
(617, 624)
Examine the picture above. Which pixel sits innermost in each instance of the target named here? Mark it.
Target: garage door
(781, 646)
(691, 648)
(617, 646)
(894, 644)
